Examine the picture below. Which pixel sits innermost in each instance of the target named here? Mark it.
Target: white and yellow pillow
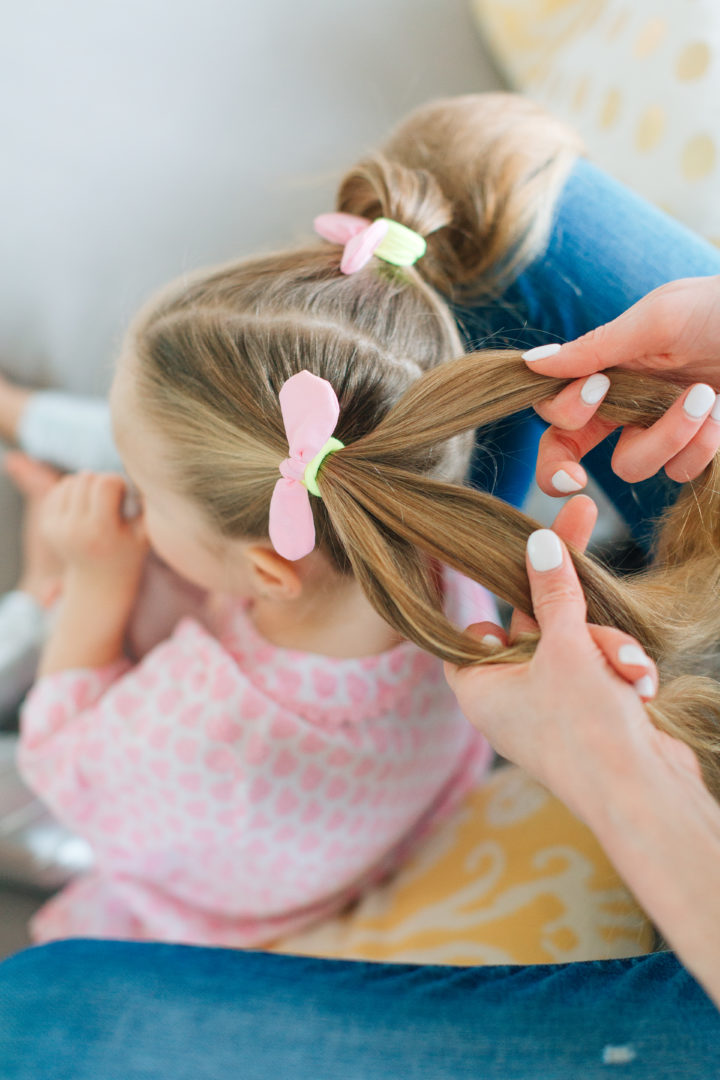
(640, 80)
(512, 877)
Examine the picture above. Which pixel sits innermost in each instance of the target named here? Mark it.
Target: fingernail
(645, 687)
(633, 654)
(715, 414)
(544, 550)
(564, 482)
(699, 400)
(492, 641)
(540, 352)
(594, 389)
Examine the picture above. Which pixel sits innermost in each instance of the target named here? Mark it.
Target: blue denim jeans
(93, 1010)
(608, 248)
(97, 1010)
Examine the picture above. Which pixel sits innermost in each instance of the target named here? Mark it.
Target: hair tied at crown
(384, 238)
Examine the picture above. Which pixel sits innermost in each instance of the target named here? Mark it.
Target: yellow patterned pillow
(512, 877)
(639, 79)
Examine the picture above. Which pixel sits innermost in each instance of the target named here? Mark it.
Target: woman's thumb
(557, 597)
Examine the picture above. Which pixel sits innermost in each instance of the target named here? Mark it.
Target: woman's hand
(673, 331)
(573, 717)
(574, 714)
(82, 520)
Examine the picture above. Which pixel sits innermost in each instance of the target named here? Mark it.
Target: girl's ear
(272, 575)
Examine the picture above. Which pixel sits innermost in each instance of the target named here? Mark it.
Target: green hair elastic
(401, 246)
(311, 469)
(361, 239)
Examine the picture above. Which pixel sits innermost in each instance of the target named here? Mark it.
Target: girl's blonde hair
(477, 177)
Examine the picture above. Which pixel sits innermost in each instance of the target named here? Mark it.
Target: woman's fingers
(489, 634)
(574, 523)
(641, 452)
(558, 600)
(559, 471)
(575, 404)
(674, 327)
(698, 453)
(628, 659)
(616, 343)
(683, 441)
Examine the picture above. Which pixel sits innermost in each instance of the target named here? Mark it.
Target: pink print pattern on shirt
(233, 791)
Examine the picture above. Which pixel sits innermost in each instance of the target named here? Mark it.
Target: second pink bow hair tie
(389, 240)
(361, 237)
(310, 411)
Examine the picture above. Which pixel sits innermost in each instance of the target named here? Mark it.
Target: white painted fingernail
(645, 687)
(492, 641)
(699, 400)
(715, 414)
(594, 389)
(544, 550)
(540, 352)
(564, 482)
(633, 654)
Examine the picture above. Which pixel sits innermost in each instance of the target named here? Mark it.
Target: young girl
(291, 424)
(254, 770)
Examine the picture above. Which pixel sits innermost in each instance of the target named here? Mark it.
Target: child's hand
(82, 520)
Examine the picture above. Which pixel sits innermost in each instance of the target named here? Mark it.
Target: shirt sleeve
(69, 431)
(91, 739)
(61, 717)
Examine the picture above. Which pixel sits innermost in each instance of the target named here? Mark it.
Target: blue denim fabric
(94, 1010)
(607, 249)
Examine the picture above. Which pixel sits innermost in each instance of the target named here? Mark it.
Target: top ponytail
(479, 183)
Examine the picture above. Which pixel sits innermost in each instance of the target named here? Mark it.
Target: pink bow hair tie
(310, 411)
(362, 239)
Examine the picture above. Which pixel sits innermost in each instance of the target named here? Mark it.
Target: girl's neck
(338, 622)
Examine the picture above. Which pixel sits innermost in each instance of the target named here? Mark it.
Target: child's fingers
(58, 500)
(33, 478)
(106, 497)
(627, 658)
(641, 452)
(137, 528)
(79, 497)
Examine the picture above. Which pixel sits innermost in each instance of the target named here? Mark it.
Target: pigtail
(393, 521)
